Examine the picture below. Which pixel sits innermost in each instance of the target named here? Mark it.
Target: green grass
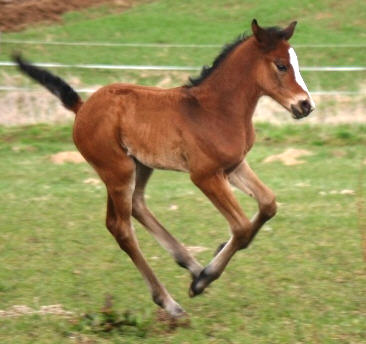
(302, 280)
(206, 21)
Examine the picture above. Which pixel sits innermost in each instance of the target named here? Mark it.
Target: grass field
(302, 280)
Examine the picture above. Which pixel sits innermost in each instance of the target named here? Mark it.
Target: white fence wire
(172, 68)
(165, 67)
(161, 45)
(91, 90)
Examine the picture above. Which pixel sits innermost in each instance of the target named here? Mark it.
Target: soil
(20, 310)
(289, 157)
(39, 106)
(64, 157)
(16, 15)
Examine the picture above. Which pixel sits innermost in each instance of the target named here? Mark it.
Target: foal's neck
(231, 88)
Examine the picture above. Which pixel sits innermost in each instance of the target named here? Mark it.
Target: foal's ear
(259, 33)
(289, 31)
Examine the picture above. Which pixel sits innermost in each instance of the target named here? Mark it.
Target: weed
(109, 320)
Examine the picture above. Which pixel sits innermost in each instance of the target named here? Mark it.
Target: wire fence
(89, 90)
(161, 45)
(167, 67)
(172, 68)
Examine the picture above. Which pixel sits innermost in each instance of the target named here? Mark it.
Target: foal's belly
(160, 153)
(174, 163)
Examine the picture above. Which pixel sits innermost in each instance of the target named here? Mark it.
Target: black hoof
(198, 284)
(219, 248)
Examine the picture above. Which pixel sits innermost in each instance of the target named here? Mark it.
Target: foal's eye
(281, 67)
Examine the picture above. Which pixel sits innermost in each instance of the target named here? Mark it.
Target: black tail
(70, 99)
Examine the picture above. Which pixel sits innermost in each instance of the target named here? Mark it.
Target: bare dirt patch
(38, 106)
(15, 15)
(289, 157)
(67, 157)
(20, 310)
(336, 192)
(92, 181)
(23, 107)
(20, 107)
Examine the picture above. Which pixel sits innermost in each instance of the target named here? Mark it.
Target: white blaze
(295, 65)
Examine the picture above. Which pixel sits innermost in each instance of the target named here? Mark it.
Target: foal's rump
(142, 121)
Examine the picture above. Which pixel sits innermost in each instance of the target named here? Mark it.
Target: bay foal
(204, 128)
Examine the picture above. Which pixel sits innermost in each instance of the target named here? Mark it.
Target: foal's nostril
(305, 106)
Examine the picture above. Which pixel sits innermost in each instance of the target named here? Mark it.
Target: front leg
(247, 181)
(217, 188)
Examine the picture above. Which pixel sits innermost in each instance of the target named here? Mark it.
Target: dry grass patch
(289, 157)
(21, 310)
(67, 157)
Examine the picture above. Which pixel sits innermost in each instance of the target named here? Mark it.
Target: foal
(204, 128)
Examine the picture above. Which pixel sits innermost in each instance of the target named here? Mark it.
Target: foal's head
(278, 70)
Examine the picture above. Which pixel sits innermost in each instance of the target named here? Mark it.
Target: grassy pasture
(302, 280)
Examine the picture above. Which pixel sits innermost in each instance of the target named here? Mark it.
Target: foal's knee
(242, 233)
(268, 207)
(123, 235)
(138, 205)
(110, 223)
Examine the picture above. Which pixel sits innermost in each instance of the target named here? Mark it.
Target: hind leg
(146, 218)
(119, 178)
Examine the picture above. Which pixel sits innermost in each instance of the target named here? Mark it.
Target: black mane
(206, 70)
(274, 32)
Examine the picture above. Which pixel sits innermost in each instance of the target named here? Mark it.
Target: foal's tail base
(69, 98)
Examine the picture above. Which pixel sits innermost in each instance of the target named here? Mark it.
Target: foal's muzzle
(302, 109)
